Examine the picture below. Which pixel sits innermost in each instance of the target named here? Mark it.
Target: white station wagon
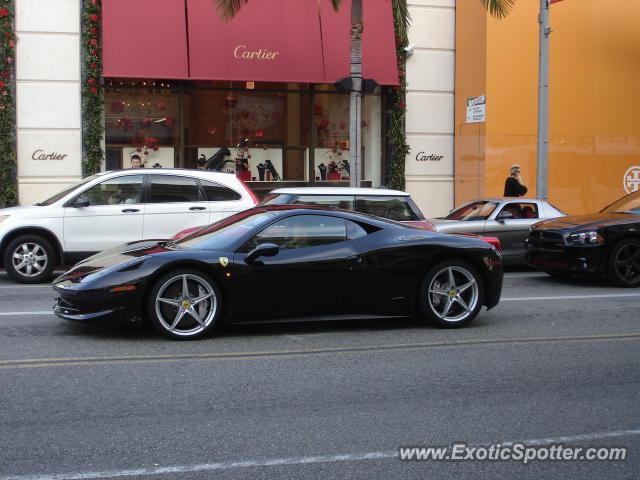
(111, 208)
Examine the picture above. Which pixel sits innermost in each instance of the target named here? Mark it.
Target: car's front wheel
(29, 259)
(451, 294)
(624, 263)
(184, 304)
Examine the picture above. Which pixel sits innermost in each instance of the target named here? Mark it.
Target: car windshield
(223, 235)
(65, 192)
(473, 211)
(628, 204)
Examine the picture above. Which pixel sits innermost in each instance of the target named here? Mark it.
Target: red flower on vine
(5, 74)
(92, 82)
(94, 42)
(93, 65)
(2, 85)
(93, 30)
(402, 105)
(4, 12)
(94, 17)
(94, 90)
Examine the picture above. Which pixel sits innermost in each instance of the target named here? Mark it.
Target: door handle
(197, 208)
(130, 210)
(354, 259)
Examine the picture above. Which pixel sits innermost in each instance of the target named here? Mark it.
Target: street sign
(476, 109)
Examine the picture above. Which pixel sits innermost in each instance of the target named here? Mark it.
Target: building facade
(298, 121)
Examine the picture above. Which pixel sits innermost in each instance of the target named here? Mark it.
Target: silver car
(508, 218)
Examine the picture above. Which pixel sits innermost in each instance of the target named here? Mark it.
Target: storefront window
(264, 132)
(142, 121)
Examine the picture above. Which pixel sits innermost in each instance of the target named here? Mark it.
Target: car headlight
(586, 238)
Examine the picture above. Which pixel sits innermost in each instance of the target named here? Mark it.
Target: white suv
(112, 208)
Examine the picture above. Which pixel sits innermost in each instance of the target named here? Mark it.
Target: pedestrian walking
(513, 186)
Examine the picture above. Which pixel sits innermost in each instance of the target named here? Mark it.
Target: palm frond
(498, 8)
(401, 13)
(227, 9)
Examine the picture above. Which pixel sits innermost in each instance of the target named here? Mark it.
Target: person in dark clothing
(513, 186)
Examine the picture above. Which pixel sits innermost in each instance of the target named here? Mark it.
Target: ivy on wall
(92, 99)
(397, 112)
(8, 190)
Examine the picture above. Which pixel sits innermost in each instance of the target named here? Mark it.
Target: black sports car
(605, 243)
(283, 261)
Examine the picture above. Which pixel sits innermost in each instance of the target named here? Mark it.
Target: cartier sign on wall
(432, 157)
(43, 155)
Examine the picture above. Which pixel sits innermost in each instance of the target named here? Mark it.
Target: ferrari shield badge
(224, 261)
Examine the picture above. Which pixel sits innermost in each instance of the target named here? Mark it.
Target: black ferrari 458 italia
(605, 243)
(283, 261)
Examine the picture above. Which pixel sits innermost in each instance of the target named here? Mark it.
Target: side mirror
(80, 202)
(504, 215)
(262, 250)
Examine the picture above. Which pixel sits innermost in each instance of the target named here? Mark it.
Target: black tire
(445, 305)
(624, 263)
(179, 321)
(29, 259)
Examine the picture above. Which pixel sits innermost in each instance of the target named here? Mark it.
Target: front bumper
(93, 305)
(556, 256)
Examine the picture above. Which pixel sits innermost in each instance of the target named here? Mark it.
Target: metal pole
(355, 105)
(543, 102)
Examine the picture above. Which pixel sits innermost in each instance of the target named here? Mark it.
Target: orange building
(594, 130)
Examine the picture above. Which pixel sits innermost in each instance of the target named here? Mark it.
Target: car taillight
(495, 241)
(250, 192)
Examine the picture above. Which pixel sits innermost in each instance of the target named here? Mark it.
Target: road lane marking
(503, 299)
(295, 461)
(570, 297)
(275, 354)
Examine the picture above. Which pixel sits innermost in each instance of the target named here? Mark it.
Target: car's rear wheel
(624, 263)
(184, 304)
(29, 259)
(451, 294)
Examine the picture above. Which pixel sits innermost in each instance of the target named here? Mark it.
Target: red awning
(302, 41)
(144, 40)
(269, 40)
(378, 41)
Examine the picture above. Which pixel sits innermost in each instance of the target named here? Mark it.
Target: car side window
(393, 208)
(521, 210)
(173, 188)
(301, 231)
(345, 202)
(115, 191)
(354, 230)
(214, 192)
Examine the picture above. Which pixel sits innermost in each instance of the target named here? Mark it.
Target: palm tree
(229, 8)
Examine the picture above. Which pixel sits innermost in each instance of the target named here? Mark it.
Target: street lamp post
(543, 102)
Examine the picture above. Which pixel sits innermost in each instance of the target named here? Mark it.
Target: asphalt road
(555, 362)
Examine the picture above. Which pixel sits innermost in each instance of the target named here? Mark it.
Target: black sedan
(277, 262)
(605, 243)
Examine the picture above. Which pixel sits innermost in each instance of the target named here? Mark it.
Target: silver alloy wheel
(186, 304)
(29, 259)
(453, 294)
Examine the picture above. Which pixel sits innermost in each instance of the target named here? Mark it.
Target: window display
(273, 133)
